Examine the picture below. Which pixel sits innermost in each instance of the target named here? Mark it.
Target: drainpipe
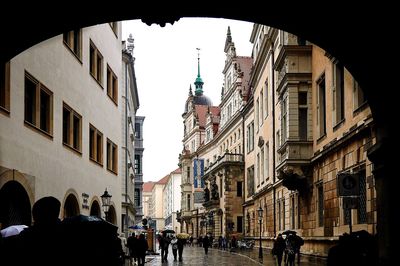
(273, 133)
(245, 183)
(126, 146)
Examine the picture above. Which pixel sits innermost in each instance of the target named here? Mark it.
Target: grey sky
(166, 65)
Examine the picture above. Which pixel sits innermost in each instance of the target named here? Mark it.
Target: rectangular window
(114, 27)
(112, 85)
(338, 93)
(267, 161)
(283, 214)
(258, 170)
(72, 128)
(284, 119)
(266, 98)
(250, 137)
(261, 108)
(188, 203)
(73, 40)
(303, 123)
(320, 192)
(137, 197)
(321, 106)
(358, 96)
(138, 164)
(112, 156)
(239, 188)
(292, 212)
(187, 174)
(362, 200)
(239, 223)
(137, 131)
(38, 105)
(250, 181)
(262, 177)
(96, 63)
(95, 145)
(5, 87)
(257, 113)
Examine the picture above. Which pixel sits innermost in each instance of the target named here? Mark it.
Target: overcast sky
(166, 65)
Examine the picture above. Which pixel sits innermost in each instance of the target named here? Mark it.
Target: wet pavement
(196, 256)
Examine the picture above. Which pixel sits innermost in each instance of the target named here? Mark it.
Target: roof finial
(190, 90)
(198, 82)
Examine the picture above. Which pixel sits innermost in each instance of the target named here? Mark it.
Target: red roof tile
(148, 186)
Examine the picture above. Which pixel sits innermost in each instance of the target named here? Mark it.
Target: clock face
(348, 182)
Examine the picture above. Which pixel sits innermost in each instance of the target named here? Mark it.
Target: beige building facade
(311, 124)
(58, 134)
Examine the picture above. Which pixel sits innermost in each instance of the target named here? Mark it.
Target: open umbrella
(169, 231)
(13, 230)
(289, 232)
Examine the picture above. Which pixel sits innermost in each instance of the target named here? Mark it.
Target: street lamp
(260, 213)
(106, 200)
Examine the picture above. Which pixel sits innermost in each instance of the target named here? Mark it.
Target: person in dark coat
(164, 244)
(142, 247)
(278, 248)
(206, 244)
(181, 244)
(132, 247)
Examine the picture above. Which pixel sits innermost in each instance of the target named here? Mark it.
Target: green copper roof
(198, 82)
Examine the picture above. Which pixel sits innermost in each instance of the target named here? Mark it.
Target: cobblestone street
(196, 256)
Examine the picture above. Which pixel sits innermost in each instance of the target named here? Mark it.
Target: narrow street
(196, 256)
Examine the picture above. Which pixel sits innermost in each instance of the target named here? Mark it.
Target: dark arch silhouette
(95, 209)
(112, 216)
(15, 207)
(359, 37)
(71, 206)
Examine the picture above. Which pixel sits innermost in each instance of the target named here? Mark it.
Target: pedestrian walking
(131, 242)
(174, 245)
(164, 245)
(278, 248)
(181, 244)
(290, 249)
(206, 244)
(142, 247)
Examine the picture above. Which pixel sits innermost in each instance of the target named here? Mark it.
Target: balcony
(294, 164)
(226, 160)
(211, 204)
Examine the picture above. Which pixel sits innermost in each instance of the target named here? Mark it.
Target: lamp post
(260, 213)
(106, 200)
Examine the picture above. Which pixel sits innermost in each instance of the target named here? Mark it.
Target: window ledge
(360, 108)
(37, 129)
(98, 82)
(112, 99)
(112, 171)
(339, 124)
(321, 138)
(78, 152)
(96, 162)
(78, 57)
(4, 111)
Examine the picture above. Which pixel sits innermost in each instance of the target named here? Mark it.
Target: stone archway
(71, 206)
(95, 209)
(15, 207)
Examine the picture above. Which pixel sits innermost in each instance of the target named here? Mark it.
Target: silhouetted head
(46, 211)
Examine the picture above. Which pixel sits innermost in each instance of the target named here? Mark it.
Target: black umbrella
(289, 232)
(169, 231)
(85, 236)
